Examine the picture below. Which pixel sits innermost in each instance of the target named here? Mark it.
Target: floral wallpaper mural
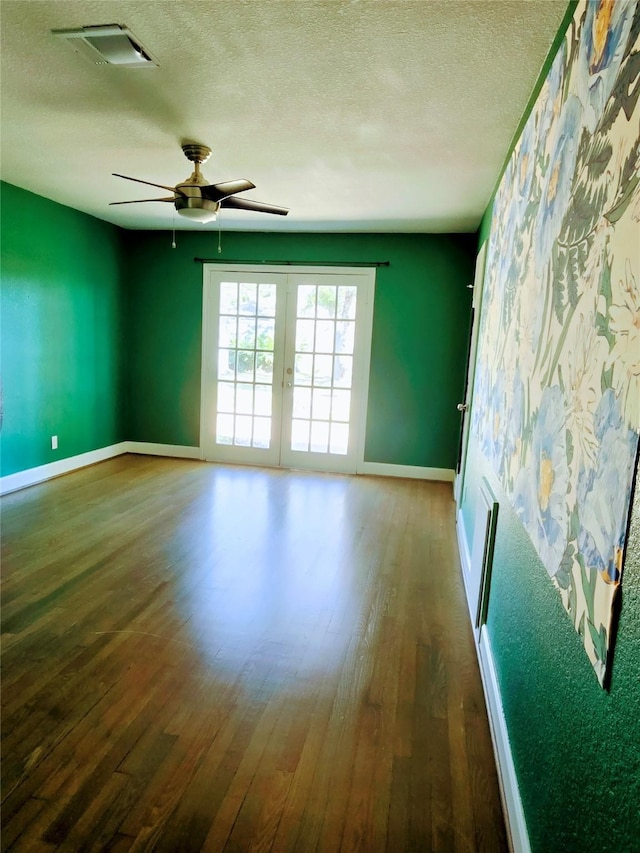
(556, 404)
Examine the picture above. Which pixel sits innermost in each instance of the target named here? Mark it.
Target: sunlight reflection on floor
(260, 599)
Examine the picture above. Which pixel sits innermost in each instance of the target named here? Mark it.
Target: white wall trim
(413, 472)
(463, 546)
(176, 451)
(514, 813)
(465, 564)
(22, 479)
(512, 804)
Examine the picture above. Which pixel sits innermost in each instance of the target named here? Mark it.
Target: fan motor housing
(192, 205)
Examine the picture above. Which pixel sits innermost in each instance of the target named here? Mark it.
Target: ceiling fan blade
(247, 204)
(148, 183)
(216, 192)
(138, 200)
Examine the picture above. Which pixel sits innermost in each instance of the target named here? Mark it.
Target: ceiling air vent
(108, 45)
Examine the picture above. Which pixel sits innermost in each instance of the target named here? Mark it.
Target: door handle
(462, 407)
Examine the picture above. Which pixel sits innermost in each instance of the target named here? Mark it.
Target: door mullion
(288, 368)
(280, 367)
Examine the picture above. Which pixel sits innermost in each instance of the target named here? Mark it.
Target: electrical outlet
(54, 442)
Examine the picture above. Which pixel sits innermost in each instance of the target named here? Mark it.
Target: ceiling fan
(199, 201)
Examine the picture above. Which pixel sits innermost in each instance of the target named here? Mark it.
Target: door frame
(360, 400)
(476, 305)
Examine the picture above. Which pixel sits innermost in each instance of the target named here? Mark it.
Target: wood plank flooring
(199, 657)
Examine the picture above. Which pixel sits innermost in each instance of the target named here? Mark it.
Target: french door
(286, 366)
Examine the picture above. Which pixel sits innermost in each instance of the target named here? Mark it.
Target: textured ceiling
(378, 115)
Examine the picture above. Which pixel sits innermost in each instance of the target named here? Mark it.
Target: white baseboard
(12, 482)
(514, 813)
(177, 451)
(22, 479)
(413, 472)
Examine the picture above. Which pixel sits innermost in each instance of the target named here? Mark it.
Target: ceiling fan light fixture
(198, 201)
(197, 215)
(194, 207)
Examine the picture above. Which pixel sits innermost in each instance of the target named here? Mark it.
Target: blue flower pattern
(543, 273)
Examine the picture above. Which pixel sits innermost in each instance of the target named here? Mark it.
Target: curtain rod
(294, 263)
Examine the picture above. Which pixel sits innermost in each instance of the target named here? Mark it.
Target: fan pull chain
(173, 241)
(219, 236)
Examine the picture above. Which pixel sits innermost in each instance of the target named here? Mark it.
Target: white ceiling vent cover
(108, 45)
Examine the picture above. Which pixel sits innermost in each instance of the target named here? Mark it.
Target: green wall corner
(102, 332)
(420, 331)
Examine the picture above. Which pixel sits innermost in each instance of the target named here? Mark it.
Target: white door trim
(365, 305)
(478, 286)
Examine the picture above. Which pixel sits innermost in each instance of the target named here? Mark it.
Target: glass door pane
(246, 343)
(246, 352)
(321, 336)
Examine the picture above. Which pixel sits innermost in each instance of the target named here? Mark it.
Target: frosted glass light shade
(196, 214)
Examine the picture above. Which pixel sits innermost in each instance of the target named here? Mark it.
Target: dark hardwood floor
(198, 657)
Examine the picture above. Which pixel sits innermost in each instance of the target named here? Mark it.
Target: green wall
(576, 747)
(420, 331)
(62, 342)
